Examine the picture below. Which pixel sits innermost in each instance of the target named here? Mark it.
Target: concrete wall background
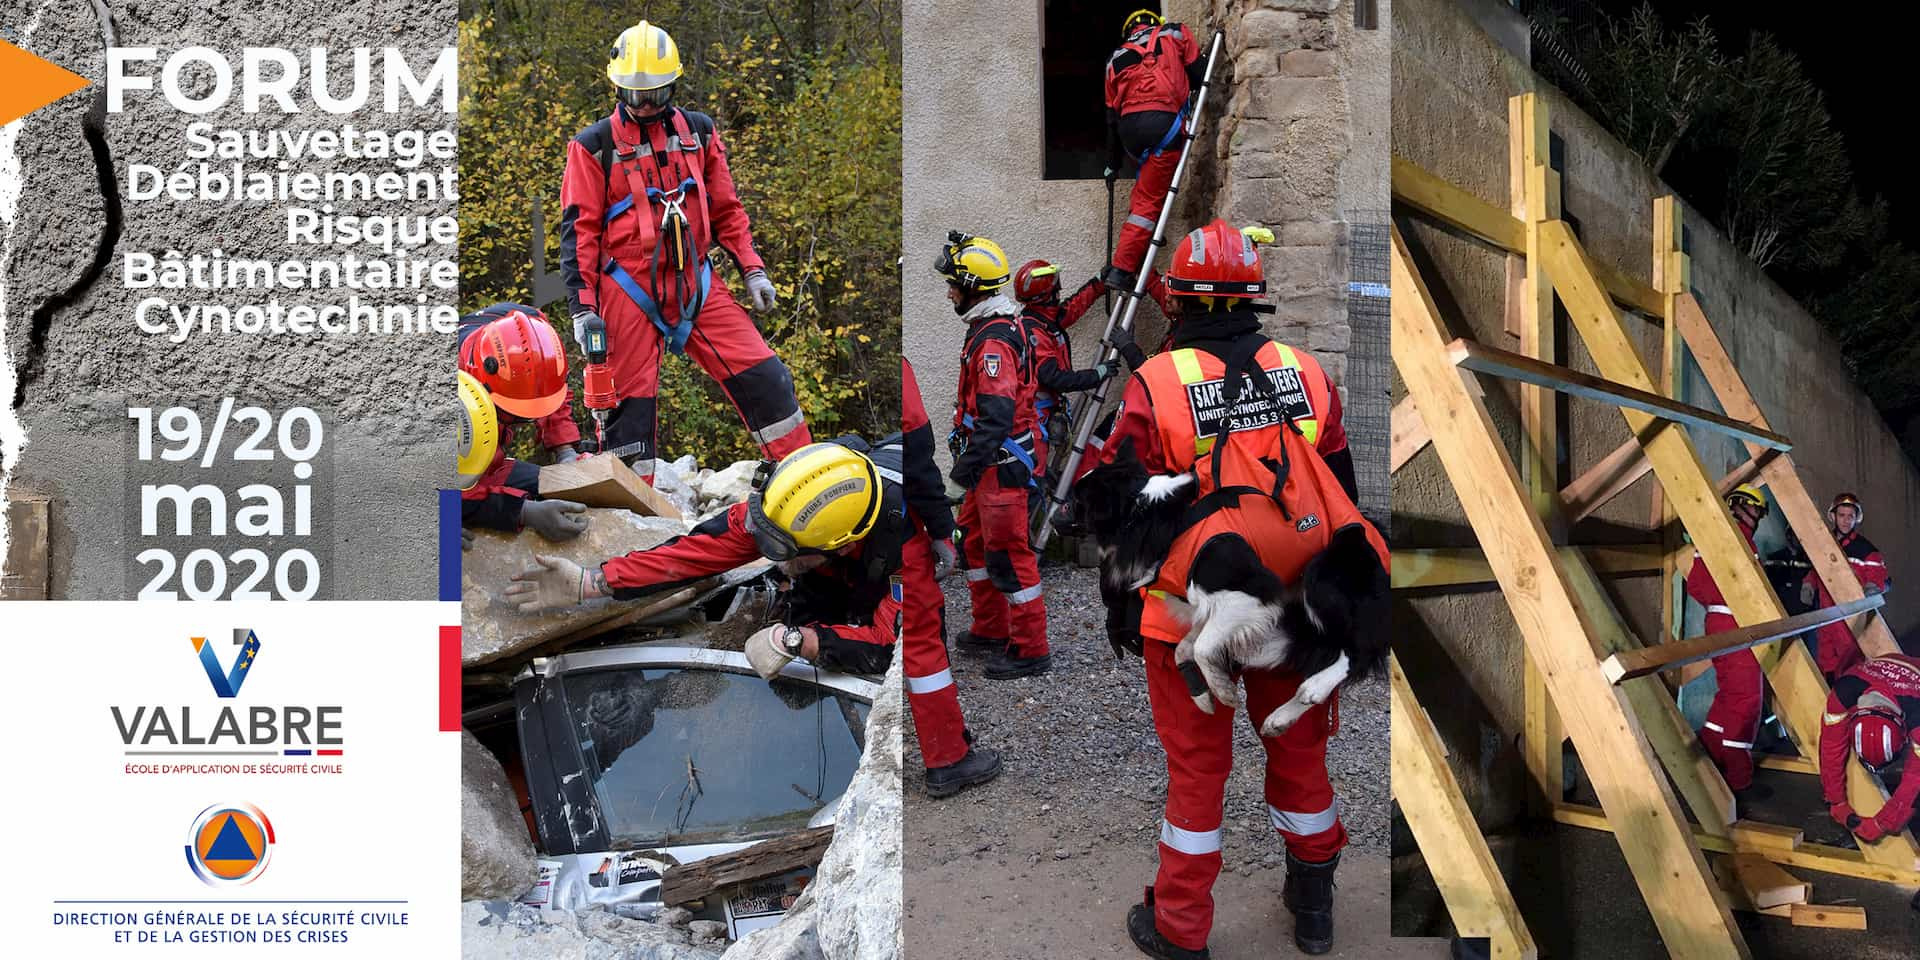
(1294, 138)
(386, 399)
(1451, 81)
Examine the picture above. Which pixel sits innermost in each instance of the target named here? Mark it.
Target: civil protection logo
(226, 683)
(229, 844)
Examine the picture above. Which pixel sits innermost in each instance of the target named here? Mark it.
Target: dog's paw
(1204, 701)
(1279, 721)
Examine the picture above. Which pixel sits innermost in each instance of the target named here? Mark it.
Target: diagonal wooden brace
(1669, 656)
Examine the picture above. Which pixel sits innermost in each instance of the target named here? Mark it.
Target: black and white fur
(1330, 626)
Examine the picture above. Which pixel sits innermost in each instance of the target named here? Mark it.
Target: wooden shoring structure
(1629, 739)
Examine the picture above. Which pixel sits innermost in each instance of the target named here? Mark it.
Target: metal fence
(1369, 382)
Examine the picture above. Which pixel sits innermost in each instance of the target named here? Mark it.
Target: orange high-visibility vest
(1190, 412)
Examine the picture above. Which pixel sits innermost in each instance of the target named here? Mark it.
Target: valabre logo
(229, 844)
(226, 682)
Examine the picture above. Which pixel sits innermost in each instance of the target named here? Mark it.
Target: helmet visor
(646, 99)
(774, 543)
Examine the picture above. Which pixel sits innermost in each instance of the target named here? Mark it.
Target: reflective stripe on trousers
(1304, 824)
(931, 682)
(1194, 843)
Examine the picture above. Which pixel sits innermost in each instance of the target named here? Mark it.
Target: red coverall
(1734, 717)
(1199, 745)
(931, 695)
(1148, 80)
(1051, 350)
(682, 152)
(723, 542)
(1837, 649)
(1896, 677)
(993, 414)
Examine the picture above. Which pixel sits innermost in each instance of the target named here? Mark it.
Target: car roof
(697, 658)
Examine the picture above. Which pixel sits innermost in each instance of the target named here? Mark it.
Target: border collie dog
(1330, 626)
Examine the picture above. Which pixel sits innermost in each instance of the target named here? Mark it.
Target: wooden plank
(1667, 865)
(1797, 684)
(1409, 435)
(1740, 897)
(1828, 916)
(1670, 273)
(1667, 656)
(1753, 835)
(1807, 856)
(1476, 894)
(768, 858)
(1776, 761)
(604, 480)
(1802, 513)
(1415, 187)
(1765, 884)
(1604, 480)
(24, 570)
(1421, 190)
(1417, 568)
(1747, 472)
(1482, 358)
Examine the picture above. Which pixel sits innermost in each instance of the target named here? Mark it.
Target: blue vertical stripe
(450, 545)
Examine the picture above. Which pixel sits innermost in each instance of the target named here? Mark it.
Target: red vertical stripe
(449, 679)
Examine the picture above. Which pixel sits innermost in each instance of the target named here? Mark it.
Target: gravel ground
(1085, 775)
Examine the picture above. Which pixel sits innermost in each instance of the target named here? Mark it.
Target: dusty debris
(728, 486)
(499, 930)
(493, 629)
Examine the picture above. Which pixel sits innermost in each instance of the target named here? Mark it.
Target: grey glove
(1122, 341)
(1106, 368)
(549, 584)
(760, 291)
(945, 559)
(579, 328)
(955, 492)
(556, 520)
(565, 453)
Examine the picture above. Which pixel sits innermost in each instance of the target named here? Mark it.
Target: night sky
(1866, 72)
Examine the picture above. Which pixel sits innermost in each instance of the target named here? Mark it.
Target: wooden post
(1686, 904)
(1476, 894)
(1671, 273)
(1536, 201)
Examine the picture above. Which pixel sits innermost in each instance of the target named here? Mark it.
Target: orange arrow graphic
(32, 83)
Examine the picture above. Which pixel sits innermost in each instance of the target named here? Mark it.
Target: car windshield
(684, 756)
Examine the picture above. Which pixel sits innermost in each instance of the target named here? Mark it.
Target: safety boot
(1006, 665)
(1309, 895)
(980, 765)
(1147, 936)
(968, 640)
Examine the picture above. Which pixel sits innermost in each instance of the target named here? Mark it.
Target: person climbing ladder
(1148, 81)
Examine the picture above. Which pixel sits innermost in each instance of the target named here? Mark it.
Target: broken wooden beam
(1829, 916)
(604, 480)
(1481, 358)
(1667, 656)
(768, 858)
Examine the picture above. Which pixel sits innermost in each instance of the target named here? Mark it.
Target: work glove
(565, 453)
(1869, 829)
(1842, 814)
(945, 559)
(579, 328)
(556, 520)
(955, 492)
(1806, 594)
(550, 583)
(1121, 340)
(1106, 368)
(760, 291)
(771, 648)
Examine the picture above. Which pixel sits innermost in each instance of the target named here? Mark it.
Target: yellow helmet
(1751, 494)
(974, 264)
(1140, 18)
(643, 65)
(477, 435)
(822, 497)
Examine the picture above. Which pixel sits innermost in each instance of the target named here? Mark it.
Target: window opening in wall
(1076, 37)
(1366, 14)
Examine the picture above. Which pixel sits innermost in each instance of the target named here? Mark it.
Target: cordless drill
(597, 379)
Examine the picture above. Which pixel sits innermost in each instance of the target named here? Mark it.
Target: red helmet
(1879, 735)
(518, 358)
(1217, 261)
(1035, 280)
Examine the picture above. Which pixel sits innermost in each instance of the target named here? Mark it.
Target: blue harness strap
(1006, 443)
(675, 335)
